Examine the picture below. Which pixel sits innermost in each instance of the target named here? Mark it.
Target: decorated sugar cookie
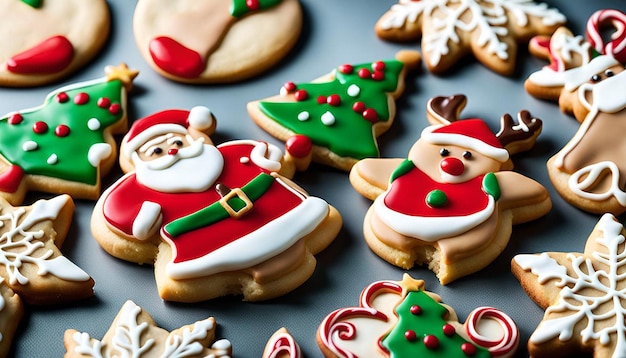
(343, 113)
(65, 145)
(11, 312)
(574, 60)
(402, 319)
(231, 40)
(582, 294)
(134, 333)
(451, 203)
(31, 263)
(449, 30)
(214, 220)
(43, 41)
(282, 345)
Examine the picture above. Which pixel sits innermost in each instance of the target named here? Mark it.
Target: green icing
(33, 3)
(239, 8)
(351, 135)
(491, 186)
(436, 198)
(71, 151)
(404, 167)
(429, 322)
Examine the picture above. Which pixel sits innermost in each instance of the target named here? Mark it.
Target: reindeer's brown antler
(519, 137)
(445, 110)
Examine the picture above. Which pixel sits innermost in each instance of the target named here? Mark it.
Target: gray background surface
(335, 32)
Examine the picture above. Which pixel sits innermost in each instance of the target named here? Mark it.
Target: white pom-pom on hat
(200, 118)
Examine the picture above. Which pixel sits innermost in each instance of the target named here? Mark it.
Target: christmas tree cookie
(134, 333)
(402, 319)
(451, 29)
(342, 113)
(452, 201)
(44, 41)
(582, 294)
(65, 145)
(232, 40)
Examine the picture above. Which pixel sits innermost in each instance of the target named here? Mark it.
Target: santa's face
(450, 163)
(175, 162)
(606, 90)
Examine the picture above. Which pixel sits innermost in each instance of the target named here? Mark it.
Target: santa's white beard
(193, 169)
(608, 94)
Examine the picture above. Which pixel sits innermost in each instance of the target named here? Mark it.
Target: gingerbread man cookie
(44, 41)
(214, 220)
(450, 29)
(134, 333)
(451, 203)
(343, 113)
(215, 41)
(582, 293)
(65, 145)
(402, 319)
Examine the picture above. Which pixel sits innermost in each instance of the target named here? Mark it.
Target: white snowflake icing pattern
(575, 297)
(491, 17)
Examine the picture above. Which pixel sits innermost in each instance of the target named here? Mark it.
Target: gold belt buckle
(236, 214)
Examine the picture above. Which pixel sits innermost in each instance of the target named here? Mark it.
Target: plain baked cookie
(215, 41)
(343, 112)
(65, 145)
(582, 294)
(43, 41)
(134, 333)
(214, 220)
(452, 202)
(11, 312)
(451, 29)
(402, 319)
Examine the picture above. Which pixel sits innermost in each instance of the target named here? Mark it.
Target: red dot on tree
(40, 127)
(378, 75)
(62, 130)
(416, 310)
(252, 4)
(334, 100)
(301, 95)
(115, 108)
(358, 107)
(299, 146)
(104, 102)
(410, 335)
(347, 69)
(15, 118)
(468, 348)
(81, 98)
(431, 342)
(370, 115)
(364, 73)
(321, 99)
(290, 87)
(378, 66)
(62, 97)
(449, 330)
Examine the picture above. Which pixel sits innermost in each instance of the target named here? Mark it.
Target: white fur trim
(499, 154)
(200, 118)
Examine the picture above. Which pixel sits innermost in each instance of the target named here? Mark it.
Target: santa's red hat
(168, 121)
(472, 134)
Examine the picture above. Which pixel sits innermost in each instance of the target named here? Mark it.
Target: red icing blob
(416, 310)
(62, 97)
(347, 69)
(449, 330)
(62, 130)
(40, 127)
(365, 73)
(252, 4)
(115, 108)
(358, 107)
(172, 151)
(452, 166)
(51, 55)
(378, 75)
(378, 66)
(289, 87)
(321, 100)
(334, 100)
(410, 335)
(11, 178)
(301, 95)
(104, 102)
(468, 348)
(176, 59)
(370, 115)
(431, 342)
(15, 118)
(299, 146)
(81, 98)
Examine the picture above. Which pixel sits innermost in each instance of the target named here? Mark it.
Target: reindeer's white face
(451, 163)
(606, 89)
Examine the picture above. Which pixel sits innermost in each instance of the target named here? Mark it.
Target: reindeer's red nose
(172, 151)
(452, 166)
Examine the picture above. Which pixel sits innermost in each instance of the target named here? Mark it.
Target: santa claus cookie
(402, 319)
(582, 293)
(44, 41)
(451, 203)
(574, 60)
(134, 333)
(214, 220)
(342, 113)
(451, 29)
(65, 145)
(231, 40)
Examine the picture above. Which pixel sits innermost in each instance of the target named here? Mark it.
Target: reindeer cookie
(451, 203)
(43, 41)
(214, 220)
(402, 319)
(215, 41)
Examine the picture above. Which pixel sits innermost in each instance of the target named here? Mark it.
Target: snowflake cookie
(134, 333)
(450, 29)
(452, 201)
(584, 295)
(65, 145)
(402, 319)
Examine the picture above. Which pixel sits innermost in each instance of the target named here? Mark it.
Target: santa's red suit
(213, 240)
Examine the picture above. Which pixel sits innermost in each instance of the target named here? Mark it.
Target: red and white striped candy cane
(505, 341)
(602, 19)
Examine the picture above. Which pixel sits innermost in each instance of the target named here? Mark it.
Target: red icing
(104, 102)
(416, 310)
(321, 99)
(431, 341)
(452, 166)
(347, 69)
(449, 330)
(358, 107)
(410, 335)
(49, 56)
(15, 118)
(11, 178)
(62, 130)
(301, 95)
(290, 87)
(115, 108)
(378, 75)
(468, 348)
(378, 66)
(124, 201)
(176, 59)
(62, 97)
(370, 115)
(252, 4)
(299, 146)
(334, 100)
(365, 73)
(81, 98)
(408, 193)
(40, 127)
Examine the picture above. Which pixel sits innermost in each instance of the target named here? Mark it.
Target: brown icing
(277, 266)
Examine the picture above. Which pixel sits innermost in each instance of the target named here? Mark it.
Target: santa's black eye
(444, 152)
(595, 78)
(178, 143)
(467, 155)
(156, 151)
(609, 73)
